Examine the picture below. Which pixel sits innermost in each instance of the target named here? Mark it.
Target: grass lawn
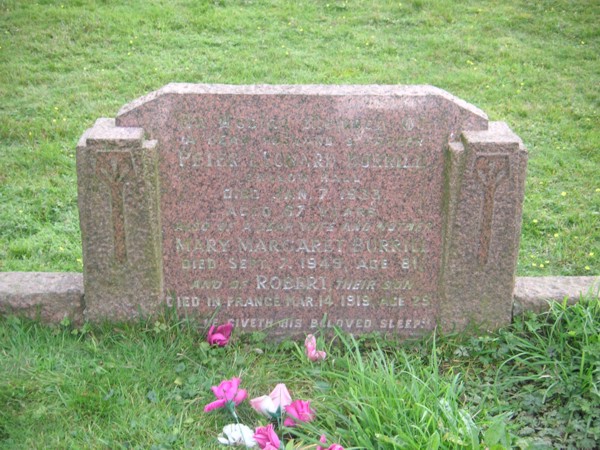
(534, 385)
(533, 64)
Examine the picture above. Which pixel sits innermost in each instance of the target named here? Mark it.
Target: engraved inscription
(287, 220)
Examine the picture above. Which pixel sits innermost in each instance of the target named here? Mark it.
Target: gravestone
(287, 209)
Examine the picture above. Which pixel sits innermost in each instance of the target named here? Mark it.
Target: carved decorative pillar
(117, 172)
(485, 178)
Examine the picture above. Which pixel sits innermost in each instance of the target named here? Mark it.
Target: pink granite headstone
(287, 209)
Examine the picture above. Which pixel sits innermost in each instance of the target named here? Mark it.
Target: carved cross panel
(114, 168)
(491, 170)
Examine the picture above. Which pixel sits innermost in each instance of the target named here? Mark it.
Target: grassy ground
(534, 385)
(531, 64)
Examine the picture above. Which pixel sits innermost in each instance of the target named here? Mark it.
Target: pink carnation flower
(266, 438)
(226, 392)
(274, 403)
(298, 411)
(311, 349)
(219, 336)
(331, 447)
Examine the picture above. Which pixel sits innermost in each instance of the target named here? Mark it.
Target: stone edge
(535, 294)
(302, 89)
(45, 296)
(53, 296)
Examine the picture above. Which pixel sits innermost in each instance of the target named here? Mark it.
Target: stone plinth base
(48, 297)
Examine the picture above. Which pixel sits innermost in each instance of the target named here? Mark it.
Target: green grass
(533, 385)
(389, 398)
(531, 64)
(534, 65)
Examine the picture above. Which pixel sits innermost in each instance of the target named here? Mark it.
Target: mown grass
(531, 64)
(533, 385)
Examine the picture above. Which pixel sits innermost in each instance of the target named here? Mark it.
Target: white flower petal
(264, 405)
(237, 434)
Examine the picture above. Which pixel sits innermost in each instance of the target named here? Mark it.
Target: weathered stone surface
(287, 208)
(120, 223)
(536, 293)
(485, 186)
(49, 297)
